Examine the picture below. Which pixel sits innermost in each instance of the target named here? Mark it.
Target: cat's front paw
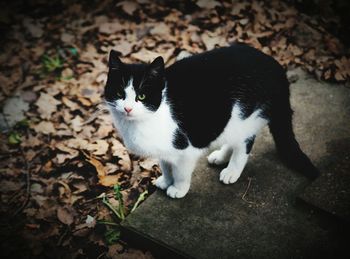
(162, 182)
(228, 176)
(217, 157)
(174, 192)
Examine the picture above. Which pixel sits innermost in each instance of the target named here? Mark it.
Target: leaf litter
(82, 179)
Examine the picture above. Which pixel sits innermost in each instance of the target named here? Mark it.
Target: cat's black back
(207, 86)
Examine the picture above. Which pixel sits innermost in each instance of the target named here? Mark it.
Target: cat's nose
(128, 109)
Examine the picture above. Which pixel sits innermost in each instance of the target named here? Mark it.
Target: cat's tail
(286, 144)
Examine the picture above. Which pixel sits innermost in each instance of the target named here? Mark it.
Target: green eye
(141, 97)
(119, 94)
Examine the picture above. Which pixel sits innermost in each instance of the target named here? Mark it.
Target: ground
(66, 178)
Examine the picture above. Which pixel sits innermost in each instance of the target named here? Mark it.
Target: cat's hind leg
(220, 156)
(237, 162)
(166, 179)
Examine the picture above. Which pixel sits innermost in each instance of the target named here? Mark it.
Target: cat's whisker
(101, 108)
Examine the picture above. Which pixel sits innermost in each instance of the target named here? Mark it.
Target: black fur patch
(147, 80)
(180, 140)
(249, 144)
(203, 88)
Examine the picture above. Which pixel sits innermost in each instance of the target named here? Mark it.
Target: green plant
(119, 211)
(51, 64)
(14, 136)
(112, 233)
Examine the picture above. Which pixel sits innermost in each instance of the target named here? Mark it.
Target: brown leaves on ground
(53, 70)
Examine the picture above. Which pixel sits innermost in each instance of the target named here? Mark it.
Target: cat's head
(134, 90)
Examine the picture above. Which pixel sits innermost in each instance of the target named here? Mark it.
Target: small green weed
(15, 136)
(55, 63)
(112, 233)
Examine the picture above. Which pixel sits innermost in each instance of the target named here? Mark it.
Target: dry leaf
(65, 215)
(14, 110)
(109, 180)
(31, 141)
(77, 123)
(145, 55)
(77, 143)
(124, 47)
(128, 6)
(70, 104)
(67, 38)
(148, 163)
(103, 178)
(237, 8)
(207, 4)
(45, 127)
(161, 29)
(35, 29)
(100, 147)
(46, 105)
(211, 42)
(120, 151)
(111, 27)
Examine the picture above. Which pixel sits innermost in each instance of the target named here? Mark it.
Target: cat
(222, 97)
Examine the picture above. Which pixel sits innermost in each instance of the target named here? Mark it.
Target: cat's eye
(141, 97)
(120, 94)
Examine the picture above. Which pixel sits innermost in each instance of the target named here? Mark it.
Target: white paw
(162, 183)
(217, 157)
(229, 176)
(174, 192)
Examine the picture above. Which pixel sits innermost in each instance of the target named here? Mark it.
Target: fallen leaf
(67, 38)
(65, 215)
(31, 141)
(211, 41)
(124, 47)
(145, 55)
(160, 29)
(100, 147)
(45, 127)
(128, 6)
(46, 105)
(77, 123)
(14, 109)
(207, 4)
(70, 104)
(111, 27)
(121, 152)
(103, 178)
(35, 29)
(148, 163)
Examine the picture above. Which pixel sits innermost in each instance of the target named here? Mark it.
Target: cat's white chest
(150, 137)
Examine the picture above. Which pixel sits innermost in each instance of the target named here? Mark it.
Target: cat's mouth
(129, 116)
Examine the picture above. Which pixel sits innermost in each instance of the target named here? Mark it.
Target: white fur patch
(151, 134)
(233, 143)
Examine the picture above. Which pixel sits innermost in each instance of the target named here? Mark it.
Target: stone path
(259, 217)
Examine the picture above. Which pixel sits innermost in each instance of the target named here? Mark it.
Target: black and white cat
(222, 97)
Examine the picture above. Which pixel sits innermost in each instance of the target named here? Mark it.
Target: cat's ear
(156, 68)
(114, 61)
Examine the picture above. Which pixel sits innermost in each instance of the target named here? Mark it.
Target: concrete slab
(331, 191)
(257, 216)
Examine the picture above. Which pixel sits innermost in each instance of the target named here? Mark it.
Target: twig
(101, 255)
(246, 191)
(64, 234)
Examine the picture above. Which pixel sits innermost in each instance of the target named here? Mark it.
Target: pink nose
(127, 109)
